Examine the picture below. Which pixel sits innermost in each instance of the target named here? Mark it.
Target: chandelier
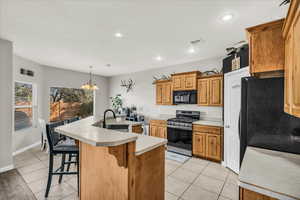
(90, 85)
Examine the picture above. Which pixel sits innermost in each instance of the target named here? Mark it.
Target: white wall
(143, 95)
(29, 136)
(44, 78)
(6, 99)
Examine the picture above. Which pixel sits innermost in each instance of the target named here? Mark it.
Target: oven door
(180, 140)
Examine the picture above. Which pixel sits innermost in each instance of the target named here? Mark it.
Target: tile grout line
(193, 181)
(223, 186)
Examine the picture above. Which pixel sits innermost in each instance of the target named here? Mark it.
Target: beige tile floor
(196, 179)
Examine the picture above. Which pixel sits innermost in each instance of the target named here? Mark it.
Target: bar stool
(55, 149)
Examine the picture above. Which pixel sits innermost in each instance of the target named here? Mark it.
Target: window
(23, 105)
(66, 103)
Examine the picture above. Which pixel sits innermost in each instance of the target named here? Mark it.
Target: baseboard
(7, 168)
(26, 148)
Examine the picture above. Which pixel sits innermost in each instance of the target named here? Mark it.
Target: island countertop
(84, 131)
(273, 173)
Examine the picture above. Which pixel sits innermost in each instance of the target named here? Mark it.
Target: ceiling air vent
(26, 72)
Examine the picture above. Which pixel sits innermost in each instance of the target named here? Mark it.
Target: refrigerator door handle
(239, 125)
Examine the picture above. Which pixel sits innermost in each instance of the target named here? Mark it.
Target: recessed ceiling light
(158, 58)
(108, 65)
(118, 35)
(227, 17)
(191, 50)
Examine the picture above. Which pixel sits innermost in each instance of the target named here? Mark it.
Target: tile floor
(194, 180)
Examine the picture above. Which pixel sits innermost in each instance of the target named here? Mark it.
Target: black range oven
(180, 133)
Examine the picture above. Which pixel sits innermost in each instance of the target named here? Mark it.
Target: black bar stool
(60, 149)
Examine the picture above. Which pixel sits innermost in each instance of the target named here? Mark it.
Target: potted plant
(117, 103)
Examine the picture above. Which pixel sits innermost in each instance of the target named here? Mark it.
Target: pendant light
(90, 85)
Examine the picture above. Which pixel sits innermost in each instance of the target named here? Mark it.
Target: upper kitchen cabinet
(291, 34)
(210, 91)
(164, 92)
(185, 81)
(266, 48)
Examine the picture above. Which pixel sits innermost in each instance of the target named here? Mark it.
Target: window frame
(33, 105)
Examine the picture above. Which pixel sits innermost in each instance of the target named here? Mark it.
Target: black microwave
(185, 97)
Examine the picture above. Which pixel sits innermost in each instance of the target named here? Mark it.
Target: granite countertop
(210, 122)
(84, 131)
(273, 173)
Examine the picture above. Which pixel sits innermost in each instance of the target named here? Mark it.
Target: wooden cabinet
(208, 142)
(164, 92)
(251, 195)
(203, 92)
(137, 129)
(199, 141)
(266, 47)
(159, 93)
(210, 91)
(213, 146)
(158, 128)
(291, 34)
(185, 81)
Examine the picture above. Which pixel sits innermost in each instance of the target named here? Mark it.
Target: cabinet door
(288, 72)
(178, 82)
(296, 66)
(159, 93)
(213, 147)
(199, 141)
(267, 47)
(216, 91)
(153, 130)
(203, 92)
(162, 133)
(167, 93)
(190, 82)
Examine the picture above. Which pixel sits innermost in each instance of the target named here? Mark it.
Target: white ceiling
(74, 34)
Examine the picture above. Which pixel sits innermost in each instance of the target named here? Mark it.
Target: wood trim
(290, 17)
(163, 81)
(265, 26)
(210, 76)
(207, 129)
(158, 122)
(185, 73)
(131, 165)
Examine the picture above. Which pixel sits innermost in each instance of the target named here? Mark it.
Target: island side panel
(105, 172)
(150, 175)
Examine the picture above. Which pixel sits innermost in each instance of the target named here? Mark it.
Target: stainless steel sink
(117, 127)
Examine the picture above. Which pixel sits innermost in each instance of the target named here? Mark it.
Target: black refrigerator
(263, 122)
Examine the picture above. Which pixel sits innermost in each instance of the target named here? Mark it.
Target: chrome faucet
(104, 120)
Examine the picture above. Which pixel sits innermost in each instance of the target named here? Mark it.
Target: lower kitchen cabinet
(208, 142)
(158, 128)
(213, 146)
(199, 141)
(137, 129)
(251, 195)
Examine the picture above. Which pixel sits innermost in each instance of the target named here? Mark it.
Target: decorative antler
(128, 85)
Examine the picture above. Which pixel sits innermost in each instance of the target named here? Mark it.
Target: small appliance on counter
(132, 115)
(180, 131)
(185, 97)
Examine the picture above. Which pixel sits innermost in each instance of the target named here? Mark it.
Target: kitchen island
(269, 175)
(115, 165)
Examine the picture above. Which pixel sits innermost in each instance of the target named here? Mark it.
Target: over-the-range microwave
(185, 97)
